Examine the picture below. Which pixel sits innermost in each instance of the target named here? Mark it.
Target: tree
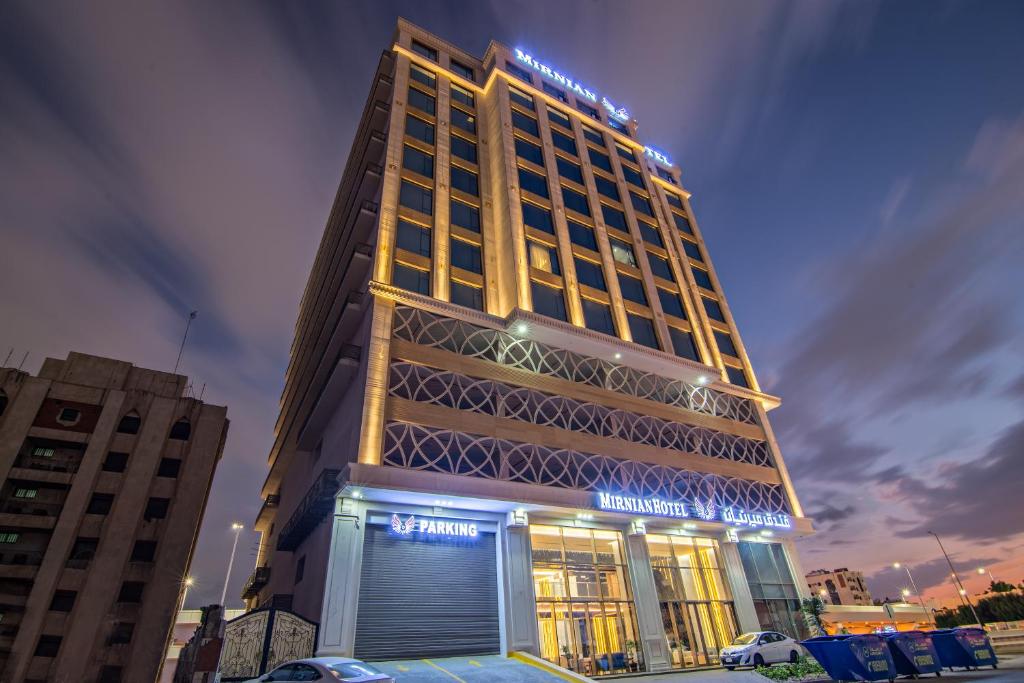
(1000, 587)
(813, 608)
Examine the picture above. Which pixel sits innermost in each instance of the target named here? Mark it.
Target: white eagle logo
(705, 512)
(404, 528)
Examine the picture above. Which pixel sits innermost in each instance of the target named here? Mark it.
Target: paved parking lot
(485, 669)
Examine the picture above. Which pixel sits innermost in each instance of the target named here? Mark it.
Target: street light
(956, 579)
(237, 528)
(982, 571)
(897, 565)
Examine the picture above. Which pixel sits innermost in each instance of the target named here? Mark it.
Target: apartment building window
(48, 646)
(682, 223)
(424, 51)
(608, 188)
(600, 160)
(412, 279)
(521, 98)
(129, 424)
(588, 110)
(650, 234)
(467, 295)
(555, 116)
(115, 462)
(543, 257)
(590, 274)
(465, 215)
(422, 76)
(521, 74)
(582, 235)
(642, 330)
(632, 289)
(563, 142)
(737, 377)
(632, 176)
(671, 304)
(725, 344)
(531, 182)
(418, 128)
(594, 136)
(110, 673)
(68, 416)
(417, 161)
(568, 169)
(675, 200)
(529, 151)
(625, 152)
(413, 238)
(701, 277)
(692, 250)
(169, 467)
(43, 452)
(622, 252)
(9, 537)
(300, 569)
(556, 93)
(25, 493)
(466, 256)
(131, 591)
(121, 634)
(575, 201)
(537, 217)
(463, 120)
(614, 218)
(422, 101)
(598, 316)
(416, 197)
(82, 551)
(463, 96)
(547, 300)
(156, 508)
(143, 551)
(641, 204)
(63, 601)
(181, 430)
(682, 343)
(465, 181)
(462, 70)
(525, 123)
(100, 504)
(463, 149)
(714, 311)
(660, 267)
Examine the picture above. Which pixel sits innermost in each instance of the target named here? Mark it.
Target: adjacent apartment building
(106, 469)
(518, 415)
(839, 586)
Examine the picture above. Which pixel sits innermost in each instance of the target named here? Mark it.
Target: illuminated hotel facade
(518, 415)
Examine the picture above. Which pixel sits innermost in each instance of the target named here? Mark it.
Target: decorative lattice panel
(454, 390)
(427, 329)
(439, 450)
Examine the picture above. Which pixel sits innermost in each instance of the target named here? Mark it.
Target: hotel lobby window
(776, 599)
(585, 613)
(696, 606)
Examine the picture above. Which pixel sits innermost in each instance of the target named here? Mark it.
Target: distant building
(106, 469)
(194, 650)
(839, 586)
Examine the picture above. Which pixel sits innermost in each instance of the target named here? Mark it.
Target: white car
(325, 670)
(760, 647)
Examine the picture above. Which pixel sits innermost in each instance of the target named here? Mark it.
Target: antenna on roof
(8, 358)
(23, 359)
(191, 317)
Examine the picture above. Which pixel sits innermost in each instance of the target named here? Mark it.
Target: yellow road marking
(443, 670)
(475, 663)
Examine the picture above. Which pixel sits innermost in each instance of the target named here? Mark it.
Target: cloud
(890, 582)
(831, 513)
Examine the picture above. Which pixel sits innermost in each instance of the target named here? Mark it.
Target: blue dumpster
(853, 657)
(966, 647)
(913, 653)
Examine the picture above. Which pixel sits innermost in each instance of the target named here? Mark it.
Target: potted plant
(631, 654)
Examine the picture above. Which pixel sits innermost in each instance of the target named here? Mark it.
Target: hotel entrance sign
(705, 511)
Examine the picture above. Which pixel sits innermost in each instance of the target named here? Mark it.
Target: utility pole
(956, 578)
(181, 349)
(237, 528)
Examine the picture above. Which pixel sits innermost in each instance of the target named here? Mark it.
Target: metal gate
(422, 598)
(260, 640)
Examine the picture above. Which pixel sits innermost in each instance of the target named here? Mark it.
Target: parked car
(326, 670)
(760, 647)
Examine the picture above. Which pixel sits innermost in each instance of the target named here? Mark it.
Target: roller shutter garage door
(422, 598)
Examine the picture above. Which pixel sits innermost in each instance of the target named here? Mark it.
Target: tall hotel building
(518, 415)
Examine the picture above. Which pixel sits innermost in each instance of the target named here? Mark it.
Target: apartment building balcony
(257, 580)
(312, 509)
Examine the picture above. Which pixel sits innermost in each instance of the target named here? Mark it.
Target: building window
(625, 152)
(463, 96)
(416, 127)
(543, 257)
(594, 136)
(588, 110)
(563, 142)
(467, 295)
(632, 289)
(413, 238)
(156, 508)
(776, 599)
(692, 250)
(422, 101)
(666, 175)
(608, 188)
(466, 256)
(465, 181)
(300, 569)
(68, 416)
(131, 591)
(670, 303)
(660, 267)
(737, 377)
(169, 467)
(418, 162)
(650, 234)
(547, 300)
(725, 345)
(682, 223)
(25, 493)
(674, 200)
(590, 274)
(465, 215)
(531, 182)
(642, 330)
(63, 601)
(619, 126)
(575, 201)
(701, 277)
(424, 51)
(463, 121)
(522, 74)
(537, 217)
(43, 452)
(632, 176)
(416, 197)
(82, 551)
(462, 70)
(48, 646)
(412, 279)
(600, 159)
(622, 252)
(463, 149)
(181, 430)
(121, 634)
(598, 317)
(9, 537)
(555, 92)
(555, 116)
(525, 123)
(713, 310)
(529, 151)
(143, 551)
(582, 235)
(641, 204)
(682, 343)
(423, 76)
(520, 98)
(614, 218)
(129, 424)
(100, 504)
(569, 170)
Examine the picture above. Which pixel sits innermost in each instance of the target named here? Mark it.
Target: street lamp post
(956, 579)
(237, 528)
(897, 565)
(186, 584)
(984, 570)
